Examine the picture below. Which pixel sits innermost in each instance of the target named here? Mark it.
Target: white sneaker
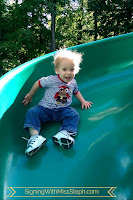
(63, 139)
(34, 144)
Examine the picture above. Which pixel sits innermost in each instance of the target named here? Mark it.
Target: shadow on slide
(101, 162)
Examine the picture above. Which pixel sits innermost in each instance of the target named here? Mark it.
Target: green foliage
(25, 29)
(111, 17)
(24, 34)
(73, 24)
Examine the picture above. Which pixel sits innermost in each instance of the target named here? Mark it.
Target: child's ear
(56, 71)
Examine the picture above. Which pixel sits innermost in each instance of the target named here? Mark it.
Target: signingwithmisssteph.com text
(64, 191)
(61, 191)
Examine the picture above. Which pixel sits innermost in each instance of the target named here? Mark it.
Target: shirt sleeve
(44, 82)
(75, 91)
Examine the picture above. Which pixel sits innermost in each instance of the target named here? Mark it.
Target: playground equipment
(101, 162)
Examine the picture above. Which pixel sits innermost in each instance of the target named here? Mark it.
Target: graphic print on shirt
(62, 95)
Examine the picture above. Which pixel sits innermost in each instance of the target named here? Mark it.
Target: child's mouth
(68, 78)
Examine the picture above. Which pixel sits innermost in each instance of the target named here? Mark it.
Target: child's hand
(27, 99)
(86, 104)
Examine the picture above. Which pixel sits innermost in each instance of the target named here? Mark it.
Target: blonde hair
(70, 55)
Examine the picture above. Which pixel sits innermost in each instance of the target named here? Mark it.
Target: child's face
(66, 70)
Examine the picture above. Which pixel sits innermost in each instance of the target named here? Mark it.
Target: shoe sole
(65, 143)
(31, 153)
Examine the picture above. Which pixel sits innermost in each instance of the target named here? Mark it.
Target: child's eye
(72, 70)
(64, 69)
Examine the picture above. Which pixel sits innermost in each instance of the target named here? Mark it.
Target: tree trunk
(0, 25)
(95, 25)
(53, 17)
(80, 26)
(0, 30)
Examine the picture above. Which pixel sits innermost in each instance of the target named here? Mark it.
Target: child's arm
(29, 96)
(86, 104)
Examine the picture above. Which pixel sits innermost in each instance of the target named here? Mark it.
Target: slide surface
(100, 164)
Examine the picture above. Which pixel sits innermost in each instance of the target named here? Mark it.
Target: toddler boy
(54, 106)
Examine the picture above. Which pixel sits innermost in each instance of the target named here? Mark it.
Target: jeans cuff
(71, 133)
(27, 126)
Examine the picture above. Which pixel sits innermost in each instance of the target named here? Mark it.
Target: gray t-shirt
(57, 94)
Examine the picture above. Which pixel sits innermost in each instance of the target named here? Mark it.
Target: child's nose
(68, 72)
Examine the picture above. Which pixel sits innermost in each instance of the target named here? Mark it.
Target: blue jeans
(38, 114)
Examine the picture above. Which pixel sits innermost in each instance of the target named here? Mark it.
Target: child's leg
(33, 122)
(34, 117)
(70, 118)
(33, 131)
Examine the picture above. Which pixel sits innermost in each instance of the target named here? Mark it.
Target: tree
(35, 27)
(111, 18)
(54, 12)
(25, 36)
(73, 24)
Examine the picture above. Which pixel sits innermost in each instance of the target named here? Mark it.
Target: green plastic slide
(100, 164)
